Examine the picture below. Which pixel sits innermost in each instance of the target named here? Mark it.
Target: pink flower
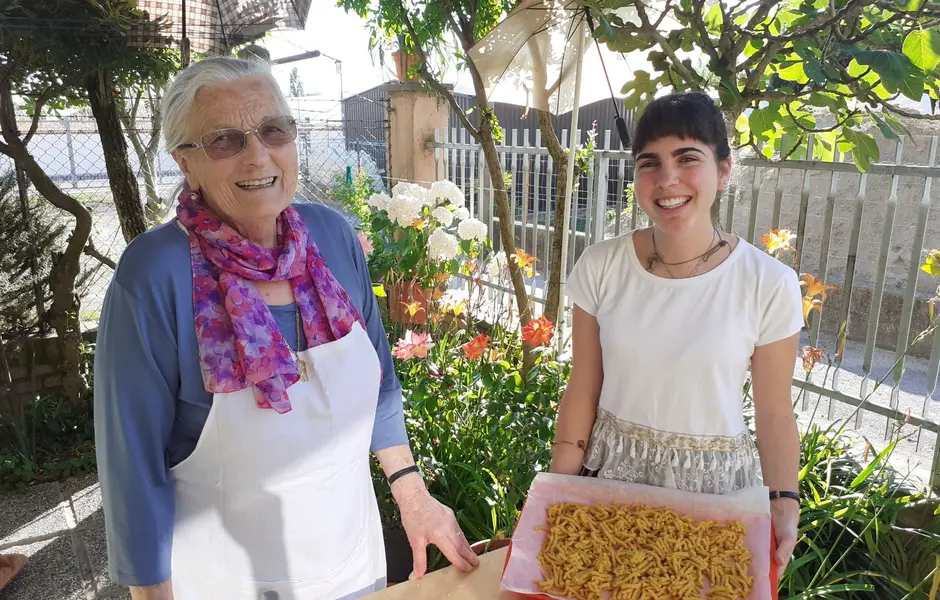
(413, 345)
(366, 243)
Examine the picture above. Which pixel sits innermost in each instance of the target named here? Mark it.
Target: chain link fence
(69, 151)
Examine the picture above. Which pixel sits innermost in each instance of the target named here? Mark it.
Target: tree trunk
(120, 175)
(731, 117)
(64, 312)
(146, 153)
(155, 206)
(506, 225)
(555, 150)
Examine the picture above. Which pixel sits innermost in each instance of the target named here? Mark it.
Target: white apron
(284, 503)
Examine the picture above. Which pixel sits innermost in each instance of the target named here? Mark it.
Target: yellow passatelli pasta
(636, 552)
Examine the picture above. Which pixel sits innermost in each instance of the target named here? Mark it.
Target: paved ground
(61, 528)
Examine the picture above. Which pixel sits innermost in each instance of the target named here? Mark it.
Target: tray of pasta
(581, 538)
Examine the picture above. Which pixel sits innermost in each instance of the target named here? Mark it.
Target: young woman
(667, 321)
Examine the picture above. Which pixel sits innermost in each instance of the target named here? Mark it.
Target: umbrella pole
(573, 139)
(184, 42)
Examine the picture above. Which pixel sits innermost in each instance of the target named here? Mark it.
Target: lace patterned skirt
(637, 454)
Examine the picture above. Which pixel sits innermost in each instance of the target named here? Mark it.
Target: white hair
(179, 98)
(181, 95)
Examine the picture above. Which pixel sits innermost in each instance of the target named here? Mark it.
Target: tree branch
(820, 23)
(690, 76)
(770, 51)
(91, 251)
(838, 125)
(156, 122)
(432, 81)
(699, 24)
(37, 114)
(906, 113)
(662, 16)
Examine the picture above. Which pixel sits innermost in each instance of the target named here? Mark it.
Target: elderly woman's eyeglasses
(226, 143)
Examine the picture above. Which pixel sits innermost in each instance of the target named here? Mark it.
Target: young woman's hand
(785, 514)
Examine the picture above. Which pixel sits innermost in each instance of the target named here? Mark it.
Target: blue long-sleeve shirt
(150, 401)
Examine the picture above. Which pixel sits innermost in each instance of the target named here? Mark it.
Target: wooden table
(450, 584)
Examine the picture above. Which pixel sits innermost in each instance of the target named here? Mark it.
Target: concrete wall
(903, 258)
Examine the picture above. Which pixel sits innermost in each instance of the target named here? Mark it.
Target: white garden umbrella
(541, 47)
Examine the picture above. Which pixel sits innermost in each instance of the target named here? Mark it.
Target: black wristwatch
(790, 495)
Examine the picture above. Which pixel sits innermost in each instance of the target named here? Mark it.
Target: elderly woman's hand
(427, 521)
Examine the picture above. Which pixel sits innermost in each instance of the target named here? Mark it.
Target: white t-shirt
(676, 351)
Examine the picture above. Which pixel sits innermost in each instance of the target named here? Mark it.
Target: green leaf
(714, 20)
(794, 72)
(762, 122)
(883, 125)
(815, 72)
(913, 87)
(743, 127)
(891, 67)
(752, 47)
(638, 88)
(922, 48)
(864, 148)
(830, 101)
(875, 463)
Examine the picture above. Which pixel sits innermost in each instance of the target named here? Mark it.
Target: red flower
(474, 349)
(538, 332)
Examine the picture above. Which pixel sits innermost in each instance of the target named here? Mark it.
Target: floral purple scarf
(239, 342)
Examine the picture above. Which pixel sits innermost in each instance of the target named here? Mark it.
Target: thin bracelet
(399, 474)
(580, 444)
(790, 495)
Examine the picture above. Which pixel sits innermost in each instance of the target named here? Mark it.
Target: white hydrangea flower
(443, 216)
(442, 245)
(461, 214)
(379, 201)
(446, 192)
(472, 229)
(404, 210)
(497, 265)
(413, 190)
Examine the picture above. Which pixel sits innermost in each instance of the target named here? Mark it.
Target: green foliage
(431, 23)
(781, 60)
(852, 543)
(353, 196)
(22, 244)
(478, 431)
(49, 62)
(47, 440)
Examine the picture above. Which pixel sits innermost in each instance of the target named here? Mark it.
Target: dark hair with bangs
(689, 116)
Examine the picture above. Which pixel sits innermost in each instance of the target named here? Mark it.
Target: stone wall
(35, 369)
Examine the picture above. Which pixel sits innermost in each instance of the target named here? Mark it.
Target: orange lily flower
(777, 240)
(538, 332)
(525, 261)
(474, 349)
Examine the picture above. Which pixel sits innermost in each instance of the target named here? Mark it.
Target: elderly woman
(243, 376)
